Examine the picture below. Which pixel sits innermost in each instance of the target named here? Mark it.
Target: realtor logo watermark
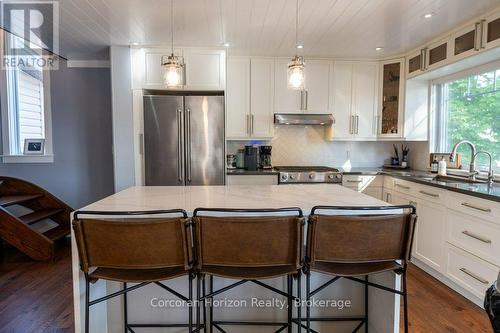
(32, 37)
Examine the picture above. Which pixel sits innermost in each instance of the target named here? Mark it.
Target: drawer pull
(430, 194)
(468, 205)
(354, 181)
(474, 276)
(402, 186)
(479, 238)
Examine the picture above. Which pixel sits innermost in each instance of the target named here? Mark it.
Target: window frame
(438, 118)
(9, 155)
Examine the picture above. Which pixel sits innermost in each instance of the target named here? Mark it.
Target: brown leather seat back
(132, 243)
(360, 238)
(249, 241)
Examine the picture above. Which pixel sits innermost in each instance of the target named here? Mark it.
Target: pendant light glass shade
(296, 74)
(173, 66)
(173, 72)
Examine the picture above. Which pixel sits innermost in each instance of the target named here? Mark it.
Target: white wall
(305, 145)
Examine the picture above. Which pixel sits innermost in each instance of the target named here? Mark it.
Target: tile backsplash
(305, 145)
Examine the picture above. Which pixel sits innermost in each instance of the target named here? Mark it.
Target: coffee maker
(265, 157)
(251, 158)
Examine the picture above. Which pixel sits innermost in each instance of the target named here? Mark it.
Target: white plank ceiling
(329, 28)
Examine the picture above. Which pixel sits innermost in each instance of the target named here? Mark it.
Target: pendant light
(173, 66)
(296, 74)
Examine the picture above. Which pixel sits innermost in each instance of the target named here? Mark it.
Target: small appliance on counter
(251, 158)
(231, 161)
(240, 159)
(265, 157)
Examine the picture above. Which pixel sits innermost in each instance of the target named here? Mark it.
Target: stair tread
(57, 232)
(39, 215)
(7, 200)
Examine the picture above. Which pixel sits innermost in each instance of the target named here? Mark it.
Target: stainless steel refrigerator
(184, 140)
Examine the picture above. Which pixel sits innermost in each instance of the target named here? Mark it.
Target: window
(468, 108)
(25, 110)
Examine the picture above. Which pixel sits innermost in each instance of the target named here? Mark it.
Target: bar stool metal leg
(204, 292)
(211, 309)
(190, 305)
(125, 314)
(198, 296)
(308, 298)
(87, 300)
(366, 304)
(290, 305)
(299, 307)
(405, 300)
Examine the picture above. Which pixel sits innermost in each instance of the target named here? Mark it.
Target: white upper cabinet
(262, 97)
(205, 69)
(365, 99)
(317, 93)
(355, 99)
(238, 97)
(250, 98)
(285, 100)
(391, 99)
(342, 98)
(466, 41)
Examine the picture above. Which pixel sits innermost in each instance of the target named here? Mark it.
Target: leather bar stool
(249, 245)
(123, 247)
(373, 240)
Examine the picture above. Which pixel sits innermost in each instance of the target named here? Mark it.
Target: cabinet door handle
(302, 100)
(474, 276)
(357, 124)
(479, 238)
(248, 124)
(188, 146)
(252, 123)
(306, 93)
(402, 186)
(477, 36)
(354, 181)
(430, 194)
(180, 170)
(351, 121)
(484, 35)
(468, 205)
(423, 59)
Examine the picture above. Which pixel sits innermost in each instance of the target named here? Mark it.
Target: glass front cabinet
(390, 118)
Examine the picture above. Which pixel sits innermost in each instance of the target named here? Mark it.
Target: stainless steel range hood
(303, 119)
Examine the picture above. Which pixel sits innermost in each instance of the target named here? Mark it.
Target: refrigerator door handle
(188, 144)
(179, 146)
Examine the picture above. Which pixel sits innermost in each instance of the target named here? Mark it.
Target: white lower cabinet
(469, 271)
(457, 236)
(368, 184)
(252, 180)
(429, 236)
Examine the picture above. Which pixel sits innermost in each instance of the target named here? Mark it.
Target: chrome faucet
(490, 171)
(472, 167)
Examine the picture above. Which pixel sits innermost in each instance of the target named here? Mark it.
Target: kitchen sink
(457, 179)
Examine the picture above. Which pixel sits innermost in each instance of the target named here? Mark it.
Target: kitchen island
(142, 307)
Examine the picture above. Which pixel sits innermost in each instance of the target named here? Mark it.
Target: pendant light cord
(296, 23)
(172, 23)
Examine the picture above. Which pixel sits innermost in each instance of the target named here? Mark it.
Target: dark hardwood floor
(37, 297)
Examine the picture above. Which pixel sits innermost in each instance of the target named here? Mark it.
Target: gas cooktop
(308, 174)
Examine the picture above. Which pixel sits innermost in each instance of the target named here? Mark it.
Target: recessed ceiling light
(428, 15)
(226, 44)
(134, 43)
(300, 46)
(378, 48)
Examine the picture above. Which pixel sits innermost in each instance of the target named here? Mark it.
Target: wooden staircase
(20, 231)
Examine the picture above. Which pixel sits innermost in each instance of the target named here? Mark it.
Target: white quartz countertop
(189, 198)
